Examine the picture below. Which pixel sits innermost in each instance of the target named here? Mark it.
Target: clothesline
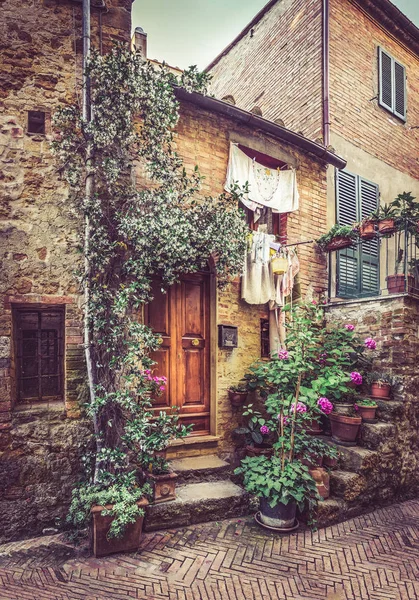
(297, 244)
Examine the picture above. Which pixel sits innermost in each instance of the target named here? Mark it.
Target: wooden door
(181, 317)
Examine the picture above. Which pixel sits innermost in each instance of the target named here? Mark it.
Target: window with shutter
(392, 84)
(39, 353)
(357, 268)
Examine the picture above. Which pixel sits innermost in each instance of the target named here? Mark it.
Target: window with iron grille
(39, 340)
(358, 269)
(392, 84)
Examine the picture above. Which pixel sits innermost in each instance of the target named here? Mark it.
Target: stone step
(355, 458)
(200, 469)
(371, 436)
(389, 410)
(198, 503)
(347, 485)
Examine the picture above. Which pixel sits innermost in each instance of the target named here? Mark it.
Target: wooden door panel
(192, 309)
(158, 316)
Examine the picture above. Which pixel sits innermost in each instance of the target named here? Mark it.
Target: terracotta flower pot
(396, 284)
(344, 428)
(380, 390)
(260, 450)
(386, 226)
(367, 230)
(130, 540)
(312, 461)
(367, 412)
(322, 479)
(281, 515)
(237, 398)
(313, 427)
(338, 243)
(331, 463)
(164, 487)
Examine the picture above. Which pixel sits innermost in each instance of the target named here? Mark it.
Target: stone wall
(390, 467)
(40, 69)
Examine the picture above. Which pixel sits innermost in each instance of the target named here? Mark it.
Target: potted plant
(337, 238)
(381, 384)
(366, 409)
(237, 395)
(386, 219)
(366, 227)
(114, 509)
(256, 433)
(163, 480)
(345, 428)
(282, 486)
(399, 282)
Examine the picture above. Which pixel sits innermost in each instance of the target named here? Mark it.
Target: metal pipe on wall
(325, 73)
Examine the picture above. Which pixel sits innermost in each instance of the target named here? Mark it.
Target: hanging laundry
(267, 187)
(257, 282)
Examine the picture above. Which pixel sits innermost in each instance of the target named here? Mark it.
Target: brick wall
(355, 113)
(278, 67)
(203, 139)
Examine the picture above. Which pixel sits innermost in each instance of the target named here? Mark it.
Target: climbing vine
(159, 227)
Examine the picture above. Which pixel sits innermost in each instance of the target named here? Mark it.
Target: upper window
(392, 84)
(39, 353)
(36, 121)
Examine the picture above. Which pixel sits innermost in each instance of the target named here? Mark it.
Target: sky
(193, 32)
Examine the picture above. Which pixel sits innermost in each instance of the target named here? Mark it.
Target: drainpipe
(89, 189)
(325, 69)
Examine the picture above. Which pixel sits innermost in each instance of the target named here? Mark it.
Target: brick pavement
(372, 557)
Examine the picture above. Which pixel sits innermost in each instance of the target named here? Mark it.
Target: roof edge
(243, 32)
(247, 118)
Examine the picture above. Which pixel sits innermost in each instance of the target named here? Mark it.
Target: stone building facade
(41, 442)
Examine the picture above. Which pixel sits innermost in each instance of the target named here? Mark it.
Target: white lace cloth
(267, 187)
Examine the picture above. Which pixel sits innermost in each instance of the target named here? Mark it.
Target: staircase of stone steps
(204, 492)
(363, 479)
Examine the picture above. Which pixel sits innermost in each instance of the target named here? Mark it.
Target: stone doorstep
(347, 485)
(190, 446)
(198, 503)
(372, 435)
(200, 468)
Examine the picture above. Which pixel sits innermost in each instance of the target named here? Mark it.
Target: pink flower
(283, 354)
(264, 430)
(356, 377)
(314, 302)
(349, 327)
(162, 388)
(356, 407)
(370, 343)
(284, 420)
(325, 405)
(301, 407)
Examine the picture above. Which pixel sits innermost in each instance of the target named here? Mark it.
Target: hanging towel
(267, 187)
(257, 281)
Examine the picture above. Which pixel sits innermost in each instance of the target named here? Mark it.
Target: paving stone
(370, 557)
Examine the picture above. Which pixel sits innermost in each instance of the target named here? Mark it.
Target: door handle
(195, 342)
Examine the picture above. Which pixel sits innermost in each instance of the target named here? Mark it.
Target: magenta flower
(162, 388)
(283, 354)
(314, 302)
(301, 407)
(325, 405)
(370, 343)
(356, 407)
(349, 327)
(284, 419)
(264, 430)
(356, 378)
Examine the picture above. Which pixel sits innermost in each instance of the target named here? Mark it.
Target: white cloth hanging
(267, 187)
(257, 280)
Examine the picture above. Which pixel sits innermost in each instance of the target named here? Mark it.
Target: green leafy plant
(279, 483)
(381, 378)
(156, 465)
(337, 231)
(131, 236)
(252, 430)
(365, 402)
(241, 389)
